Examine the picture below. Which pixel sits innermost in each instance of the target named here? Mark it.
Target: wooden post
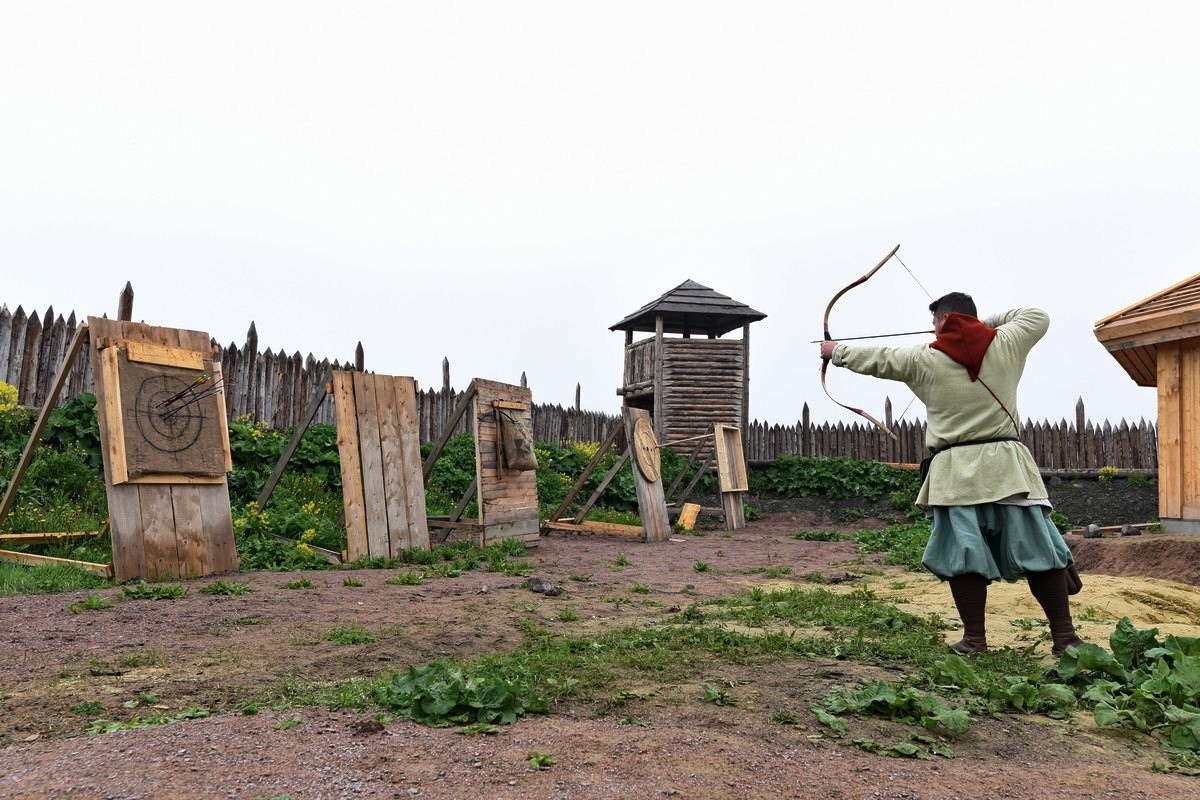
(360, 363)
(125, 304)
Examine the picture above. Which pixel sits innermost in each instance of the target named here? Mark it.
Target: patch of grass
(52, 578)
(299, 583)
(249, 621)
(539, 760)
(903, 545)
(372, 562)
(717, 696)
(88, 708)
(702, 566)
(567, 615)
(352, 634)
(287, 724)
(157, 591)
(411, 577)
(222, 587)
(93, 602)
(352, 582)
(819, 536)
(641, 588)
(101, 726)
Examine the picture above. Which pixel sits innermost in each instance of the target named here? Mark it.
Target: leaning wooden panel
(507, 497)
(411, 481)
(371, 456)
(382, 483)
(156, 533)
(652, 505)
(352, 488)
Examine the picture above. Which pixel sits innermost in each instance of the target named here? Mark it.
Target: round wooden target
(645, 450)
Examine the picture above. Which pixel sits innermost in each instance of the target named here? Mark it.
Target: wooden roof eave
(1163, 326)
(1146, 301)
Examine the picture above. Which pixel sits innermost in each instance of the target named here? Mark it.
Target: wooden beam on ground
(46, 538)
(611, 528)
(35, 436)
(32, 560)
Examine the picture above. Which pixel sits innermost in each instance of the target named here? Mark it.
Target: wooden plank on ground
(611, 528)
(46, 538)
(34, 560)
(352, 486)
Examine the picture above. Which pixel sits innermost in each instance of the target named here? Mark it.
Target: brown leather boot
(1050, 590)
(970, 598)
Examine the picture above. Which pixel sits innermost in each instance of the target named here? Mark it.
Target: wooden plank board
(158, 533)
(1170, 422)
(370, 455)
(178, 480)
(731, 462)
(412, 470)
(117, 467)
(352, 487)
(1189, 433)
(214, 368)
(193, 554)
(217, 524)
(35, 560)
(147, 353)
(611, 528)
(652, 505)
(394, 496)
(45, 538)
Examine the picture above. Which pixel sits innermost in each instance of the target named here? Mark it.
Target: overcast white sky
(498, 183)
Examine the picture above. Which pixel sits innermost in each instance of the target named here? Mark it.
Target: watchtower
(689, 383)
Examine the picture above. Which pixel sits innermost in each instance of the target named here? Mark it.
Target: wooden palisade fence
(275, 388)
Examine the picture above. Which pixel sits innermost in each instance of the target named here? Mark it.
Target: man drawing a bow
(990, 509)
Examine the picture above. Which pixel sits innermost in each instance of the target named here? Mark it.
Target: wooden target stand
(643, 449)
(379, 448)
(732, 478)
(165, 444)
(506, 497)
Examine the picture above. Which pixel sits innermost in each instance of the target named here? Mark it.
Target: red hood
(966, 340)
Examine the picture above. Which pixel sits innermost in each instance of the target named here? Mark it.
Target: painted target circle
(165, 425)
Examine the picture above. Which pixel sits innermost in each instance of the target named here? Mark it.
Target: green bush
(835, 478)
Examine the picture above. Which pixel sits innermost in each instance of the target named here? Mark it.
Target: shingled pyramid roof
(691, 308)
(1133, 334)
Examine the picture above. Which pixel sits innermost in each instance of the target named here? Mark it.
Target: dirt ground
(203, 651)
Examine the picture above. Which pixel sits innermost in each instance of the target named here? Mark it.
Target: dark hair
(955, 301)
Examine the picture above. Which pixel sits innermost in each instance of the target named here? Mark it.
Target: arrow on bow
(828, 337)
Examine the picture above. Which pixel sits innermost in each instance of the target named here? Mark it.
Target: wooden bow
(828, 337)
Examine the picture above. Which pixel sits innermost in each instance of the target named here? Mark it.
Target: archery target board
(167, 415)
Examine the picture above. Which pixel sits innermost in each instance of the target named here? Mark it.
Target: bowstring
(916, 280)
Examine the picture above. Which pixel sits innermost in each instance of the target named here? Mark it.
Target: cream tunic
(960, 409)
